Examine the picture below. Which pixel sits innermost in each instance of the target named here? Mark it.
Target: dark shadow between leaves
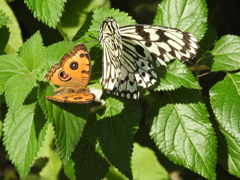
(38, 165)
(222, 151)
(161, 73)
(39, 120)
(208, 59)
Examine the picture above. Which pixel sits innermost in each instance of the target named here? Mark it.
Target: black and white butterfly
(128, 53)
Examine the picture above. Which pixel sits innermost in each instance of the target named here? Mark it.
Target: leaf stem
(199, 68)
(64, 35)
(95, 109)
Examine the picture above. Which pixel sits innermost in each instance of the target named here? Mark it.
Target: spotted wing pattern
(128, 53)
(72, 74)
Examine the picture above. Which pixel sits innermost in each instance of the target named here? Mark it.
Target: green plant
(187, 117)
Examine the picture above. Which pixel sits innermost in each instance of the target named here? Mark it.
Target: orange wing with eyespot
(72, 74)
(73, 70)
(77, 64)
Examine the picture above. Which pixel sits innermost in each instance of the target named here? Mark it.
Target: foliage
(191, 120)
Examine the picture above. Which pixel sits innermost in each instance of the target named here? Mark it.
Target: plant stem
(64, 35)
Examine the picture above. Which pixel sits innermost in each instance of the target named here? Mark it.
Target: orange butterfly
(72, 74)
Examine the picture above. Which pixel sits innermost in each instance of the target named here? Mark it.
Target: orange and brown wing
(74, 69)
(72, 74)
(80, 98)
(77, 64)
(57, 76)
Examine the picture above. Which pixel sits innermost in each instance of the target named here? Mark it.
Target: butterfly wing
(123, 69)
(135, 70)
(77, 64)
(59, 77)
(72, 74)
(80, 98)
(163, 43)
(110, 39)
(129, 50)
(73, 70)
(72, 95)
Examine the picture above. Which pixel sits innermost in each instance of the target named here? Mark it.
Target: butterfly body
(72, 74)
(128, 53)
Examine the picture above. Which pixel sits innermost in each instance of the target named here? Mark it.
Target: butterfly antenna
(94, 39)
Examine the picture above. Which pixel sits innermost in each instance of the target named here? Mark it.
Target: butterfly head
(109, 28)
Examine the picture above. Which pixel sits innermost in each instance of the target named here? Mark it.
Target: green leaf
(177, 75)
(32, 52)
(4, 19)
(115, 131)
(23, 136)
(189, 16)
(17, 89)
(146, 165)
(233, 144)
(74, 16)
(123, 19)
(85, 163)
(47, 11)
(54, 164)
(225, 101)
(182, 131)
(113, 173)
(15, 39)
(209, 39)
(10, 65)
(55, 52)
(226, 54)
(93, 23)
(68, 121)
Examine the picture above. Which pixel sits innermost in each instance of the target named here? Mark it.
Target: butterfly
(128, 53)
(72, 74)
